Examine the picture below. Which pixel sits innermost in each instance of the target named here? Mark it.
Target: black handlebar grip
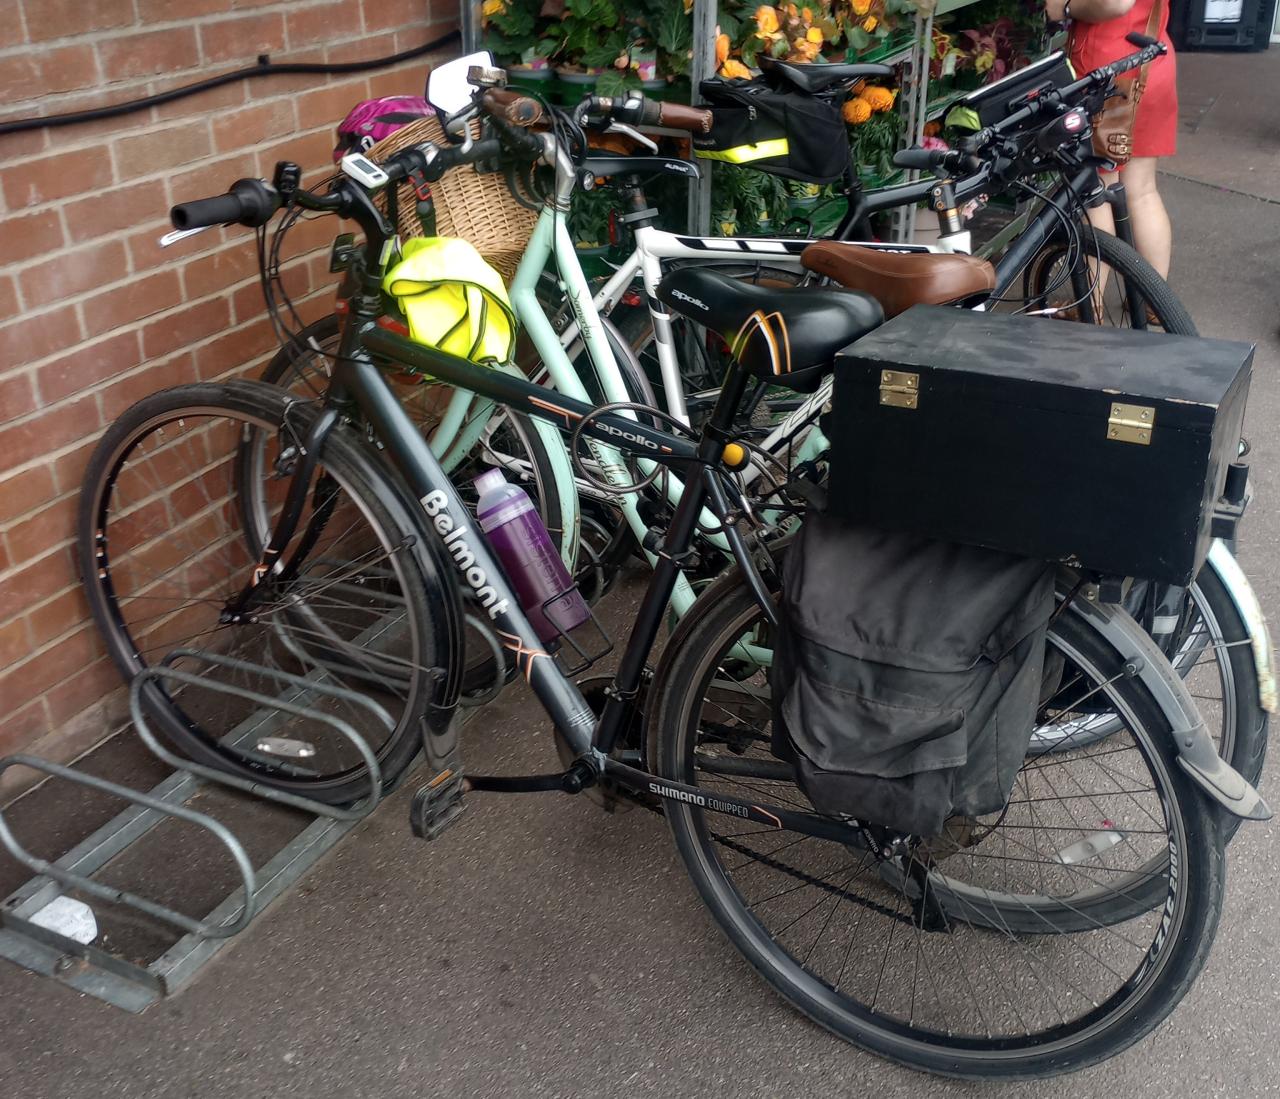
(206, 211)
(922, 159)
(1139, 40)
(250, 202)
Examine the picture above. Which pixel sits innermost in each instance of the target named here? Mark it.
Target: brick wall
(93, 314)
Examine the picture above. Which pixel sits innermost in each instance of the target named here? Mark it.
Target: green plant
(590, 33)
(874, 142)
(756, 196)
(511, 29)
(589, 216)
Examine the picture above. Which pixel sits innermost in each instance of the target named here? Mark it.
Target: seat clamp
(638, 215)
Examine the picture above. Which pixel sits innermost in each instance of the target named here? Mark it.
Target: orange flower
(722, 49)
(814, 35)
(869, 23)
(861, 7)
(932, 129)
(804, 50)
(856, 111)
(793, 11)
(734, 69)
(767, 20)
(807, 14)
(879, 99)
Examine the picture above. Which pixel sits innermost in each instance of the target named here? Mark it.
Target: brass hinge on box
(900, 389)
(1131, 423)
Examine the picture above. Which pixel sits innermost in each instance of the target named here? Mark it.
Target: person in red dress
(1098, 28)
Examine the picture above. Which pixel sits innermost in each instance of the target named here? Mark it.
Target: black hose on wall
(264, 67)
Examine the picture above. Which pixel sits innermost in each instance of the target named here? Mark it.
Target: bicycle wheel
(167, 537)
(1132, 286)
(507, 439)
(1016, 945)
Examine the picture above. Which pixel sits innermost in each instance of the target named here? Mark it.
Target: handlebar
(250, 202)
(636, 110)
(512, 107)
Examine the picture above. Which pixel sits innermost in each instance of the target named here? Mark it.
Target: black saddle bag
(788, 134)
(907, 673)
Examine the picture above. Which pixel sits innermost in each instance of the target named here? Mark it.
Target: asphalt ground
(542, 949)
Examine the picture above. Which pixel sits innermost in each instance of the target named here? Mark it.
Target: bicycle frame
(356, 377)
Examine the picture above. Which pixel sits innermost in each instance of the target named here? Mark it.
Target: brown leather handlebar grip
(512, 107)
(697, 120)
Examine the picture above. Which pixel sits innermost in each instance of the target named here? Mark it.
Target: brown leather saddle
(899, 280)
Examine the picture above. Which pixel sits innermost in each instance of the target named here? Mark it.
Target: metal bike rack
(124, 983)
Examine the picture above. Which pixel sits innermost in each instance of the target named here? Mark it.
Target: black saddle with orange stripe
(786, 335)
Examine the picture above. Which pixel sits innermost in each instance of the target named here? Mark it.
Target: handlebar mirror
(448, 88)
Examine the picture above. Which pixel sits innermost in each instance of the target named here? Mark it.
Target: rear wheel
(1028, 943)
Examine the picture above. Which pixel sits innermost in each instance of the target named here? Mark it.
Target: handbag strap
(1153, 31)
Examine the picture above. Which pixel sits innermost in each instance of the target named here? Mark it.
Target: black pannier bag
(995, 102)
(906, 673)
(788, 134)
(1108, 449)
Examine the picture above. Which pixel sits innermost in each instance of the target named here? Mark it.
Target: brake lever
(175, 235)
(460, 119)
(633, 134)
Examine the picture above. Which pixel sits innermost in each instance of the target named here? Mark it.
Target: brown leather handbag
(1113, 125)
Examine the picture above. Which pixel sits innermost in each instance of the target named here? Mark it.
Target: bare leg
(1152, 233)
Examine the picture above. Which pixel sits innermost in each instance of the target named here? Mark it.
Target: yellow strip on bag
(744, 154)
(453, 299)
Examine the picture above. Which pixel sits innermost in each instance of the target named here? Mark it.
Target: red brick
(74, 272)
(32, 74)
(322, 22)
(33, 338)
(143, 297)
(208, 274)
(56, 617)
(314, 152)
(149, 53)
(64, 18)
(253, 125)
(60, 661)
(146, 253)
(206, 181)
(363, 49)
(163, 11)
(8, 297)
(424, 33)
(23, 144)
(19, 729)
(68, 468)
(86, 366)
(188, 326)
(15, 645)
(30, 586)
(99, 681)
(56, 427)
(120, 208)
(129, 390)
(36, 536)
(17, 396)
(31, 182)
(159, 149)
(385, 14)
(25, 491)
(28, 235)
(242, 39)
(329, 106)
(236, 351)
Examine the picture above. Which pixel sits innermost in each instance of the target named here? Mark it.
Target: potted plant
(512, 36)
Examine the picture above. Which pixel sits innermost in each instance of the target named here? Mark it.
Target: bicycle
(336, 518)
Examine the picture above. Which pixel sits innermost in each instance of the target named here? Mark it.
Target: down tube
(477, 568)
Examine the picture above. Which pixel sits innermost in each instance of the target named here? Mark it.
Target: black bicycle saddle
(785, 335)
(814, 79)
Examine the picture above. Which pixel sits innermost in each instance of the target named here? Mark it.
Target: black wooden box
(1101, 447)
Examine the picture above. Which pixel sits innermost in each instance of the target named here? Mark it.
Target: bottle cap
(489, 480)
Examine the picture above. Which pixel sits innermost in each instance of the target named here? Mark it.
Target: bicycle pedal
(436, 805)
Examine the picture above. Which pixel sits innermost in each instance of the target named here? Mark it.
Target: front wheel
(1038, 958)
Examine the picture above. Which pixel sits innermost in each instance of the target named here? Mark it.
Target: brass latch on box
(900, 389)
(1131, 423)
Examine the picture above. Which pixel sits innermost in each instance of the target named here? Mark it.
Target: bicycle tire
(1128, 268)
(1176, 955)
(193, 471)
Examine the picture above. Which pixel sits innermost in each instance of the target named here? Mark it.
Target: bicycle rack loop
(159, 807)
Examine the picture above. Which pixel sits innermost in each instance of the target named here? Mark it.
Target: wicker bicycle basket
(478, 207)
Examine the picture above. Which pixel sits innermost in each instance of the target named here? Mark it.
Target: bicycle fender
(1241, 592)
(1197, 754)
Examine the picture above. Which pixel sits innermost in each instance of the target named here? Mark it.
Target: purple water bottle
(542, 583)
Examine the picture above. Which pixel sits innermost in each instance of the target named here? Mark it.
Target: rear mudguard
(1223, 562)
(1197, 754)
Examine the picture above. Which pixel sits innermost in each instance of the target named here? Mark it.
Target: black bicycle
(1030, 942)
